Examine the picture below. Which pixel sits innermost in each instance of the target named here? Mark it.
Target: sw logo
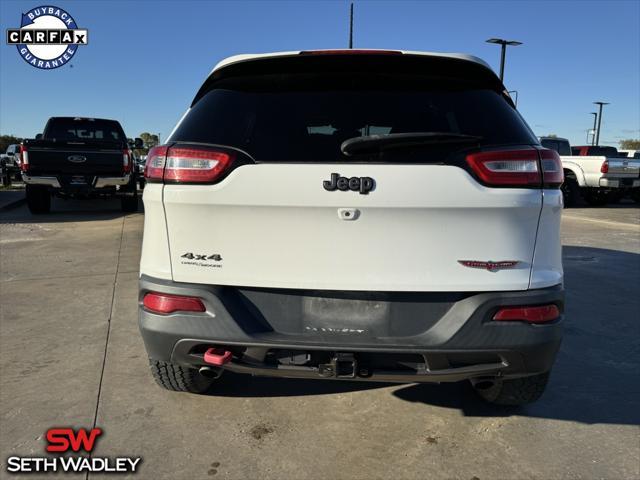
(48, 37)
(65, 440)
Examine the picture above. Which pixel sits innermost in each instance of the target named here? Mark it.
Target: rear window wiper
(372, 143)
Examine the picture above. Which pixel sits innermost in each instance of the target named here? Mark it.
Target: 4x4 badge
(196, 256)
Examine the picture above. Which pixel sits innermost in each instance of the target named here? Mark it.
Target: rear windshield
(83, 129)
(305, 118)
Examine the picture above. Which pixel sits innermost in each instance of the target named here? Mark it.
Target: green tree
(6, 140)
(630, 144)
(150, 140)
(552, 135)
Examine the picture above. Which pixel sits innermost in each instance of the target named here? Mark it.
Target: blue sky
(146, 59)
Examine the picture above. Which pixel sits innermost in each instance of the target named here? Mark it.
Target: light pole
(595, 118)
(351, 26)
(503, 43)
(599, 121)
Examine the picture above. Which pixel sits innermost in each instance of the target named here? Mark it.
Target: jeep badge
(362, 184)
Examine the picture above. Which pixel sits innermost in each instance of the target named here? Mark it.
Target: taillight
(604, 168)
(165, 303)
(513, 168)
(154, 167)
(126, 160)
(24, 159)
(187, 164)
(194, 165)
(537, 314)
(552, 172)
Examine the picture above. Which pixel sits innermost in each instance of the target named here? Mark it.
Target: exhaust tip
(483, 384)
(209, 372)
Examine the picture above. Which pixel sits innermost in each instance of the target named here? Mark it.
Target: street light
(503, 43)
(595, 117)
(351, 26)
(599, 121)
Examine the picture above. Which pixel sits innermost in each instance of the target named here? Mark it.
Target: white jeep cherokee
(353, 214)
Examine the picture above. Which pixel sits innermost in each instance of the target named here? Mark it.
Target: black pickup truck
(77, 158)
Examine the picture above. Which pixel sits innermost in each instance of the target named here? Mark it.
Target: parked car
(362, 215)
(11, 160)
(79, 157)
(140, 161)
(595, 173)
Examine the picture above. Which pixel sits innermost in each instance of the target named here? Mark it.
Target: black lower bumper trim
(445, 375)
(450, 336)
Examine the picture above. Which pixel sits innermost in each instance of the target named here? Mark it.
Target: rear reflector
(605, 167)
(538, 314)
(186, 164)
(165, 303)
(514, 168)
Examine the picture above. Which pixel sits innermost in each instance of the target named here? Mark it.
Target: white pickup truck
(597, 174)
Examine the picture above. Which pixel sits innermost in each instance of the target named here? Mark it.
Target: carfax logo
(48, 37)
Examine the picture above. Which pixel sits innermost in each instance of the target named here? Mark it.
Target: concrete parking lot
(71, 355)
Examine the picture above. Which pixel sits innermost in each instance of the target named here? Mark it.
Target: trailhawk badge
(48, 37)
(490, 265)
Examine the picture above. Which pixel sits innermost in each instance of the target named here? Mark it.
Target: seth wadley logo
(69, 441)
(48, 37)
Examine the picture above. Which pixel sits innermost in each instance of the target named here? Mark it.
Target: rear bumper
(96, 183)
(620, 182)
(402, 337)
(112, 181)
(47, 181)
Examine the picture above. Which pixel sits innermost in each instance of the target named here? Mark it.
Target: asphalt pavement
(71, 355)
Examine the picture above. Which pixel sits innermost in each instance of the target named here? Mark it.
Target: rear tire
(596, 198)
(178, 378)
(129, 203)
(38, 199)
(570, 191)
(635, 194)
(516, 391)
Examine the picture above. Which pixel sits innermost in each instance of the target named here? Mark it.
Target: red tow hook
(217, 356)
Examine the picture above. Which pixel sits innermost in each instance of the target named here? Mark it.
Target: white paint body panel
(275, 226)
(155, 259)
(547, 260)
